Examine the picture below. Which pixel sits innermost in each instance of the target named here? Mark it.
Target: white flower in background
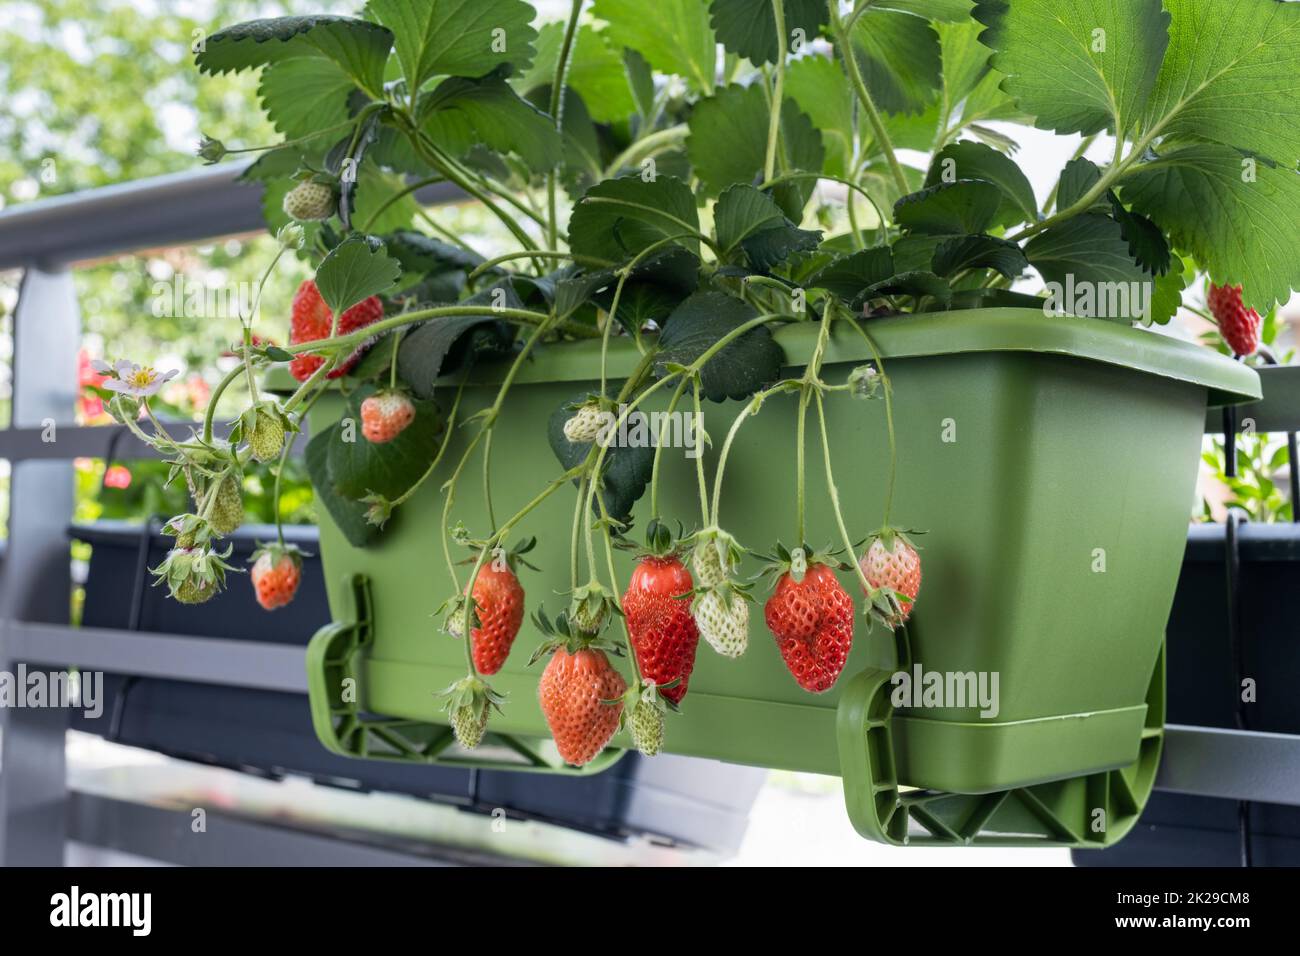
(131, 379)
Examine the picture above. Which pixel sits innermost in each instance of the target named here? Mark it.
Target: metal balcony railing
(46, 239)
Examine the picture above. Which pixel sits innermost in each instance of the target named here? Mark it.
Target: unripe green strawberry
(469, 724)
(228, 510)
(266, 438)
(585, 424)
(647, 727)
(722, 615)
(195, 590)
(309, 201)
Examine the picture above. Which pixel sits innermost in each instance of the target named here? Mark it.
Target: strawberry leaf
(748, 28)
(740, 368)
(1110, 52)
(899, 57)
(360, 47)
(969, 160)
(728, 144)
(357, 268)
(621, 217)
(488, 111)
(850, 276)
(440, 345)
(676, 38)
(1242, 229)
(457, 37)
(749, 221)
(948, 209)
(348, 516)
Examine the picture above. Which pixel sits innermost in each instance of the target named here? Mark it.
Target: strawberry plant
(686, 182)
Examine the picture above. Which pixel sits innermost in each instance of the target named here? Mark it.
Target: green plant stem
(576, 531)
(649, 145)
(215, 397)
(799, 450)
(487, 480)
(778, 90)
(448, 430)
(557, 112)
(352, 339)
(698, 424)
(856, 187)
(618, 602)
(405, 191)
(663, 431)
(624, 273)
(289, 441)
(888, 386)
(845, 47)
(495, 261)
(446, 233)
(834, 495)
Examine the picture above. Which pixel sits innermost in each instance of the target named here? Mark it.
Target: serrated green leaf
(438, 346)
(979, 252)
(488, 111)
(624, 216)
(355, 269)
(728, 144)
(304, 94)
(748, 27)
(1242, 232)
(348, 516)
(1088, 254)
(1078, 67)
(674, 37)
(1078, 177)
(948, 11)
(656, 286)
(919, 285)
(821, 90)
(360, 467)
(358, 46)
(1146, 243)
(948, 209)
(373, 189)
(457, 37)
(596, 72)
(850, 276)
(746, 219)
(1229, 76)
(427, 254)
(1167, 295)
(899, 57)
(967, 160)
(740, 368)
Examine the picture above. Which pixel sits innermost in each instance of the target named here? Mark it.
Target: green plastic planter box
(1051, 463)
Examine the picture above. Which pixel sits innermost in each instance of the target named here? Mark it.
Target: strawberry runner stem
(778, 90)
(557, 110)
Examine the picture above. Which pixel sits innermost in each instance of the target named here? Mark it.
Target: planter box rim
(926, 335)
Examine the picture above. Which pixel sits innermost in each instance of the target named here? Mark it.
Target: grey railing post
(34, 581)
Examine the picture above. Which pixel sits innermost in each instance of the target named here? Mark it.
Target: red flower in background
(89, 405)
(117, 476)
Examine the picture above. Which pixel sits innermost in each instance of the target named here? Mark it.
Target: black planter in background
(669, 799)
(1182, 830)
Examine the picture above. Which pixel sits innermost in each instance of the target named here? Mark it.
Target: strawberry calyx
(563, 634)
(277, 550)
(189, 530)
(469, 701)
(660, 542)
(797, 561)
(513, 557)
(715, 555)
(591, 607)
(193, 575)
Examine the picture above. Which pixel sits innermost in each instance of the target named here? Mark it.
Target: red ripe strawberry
(276, 574)
(896, 566)
(1238, 325)
(311, 320)
(659, 621)
(500, 607)
(572, 692)
(385, 415)
(812, 621)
